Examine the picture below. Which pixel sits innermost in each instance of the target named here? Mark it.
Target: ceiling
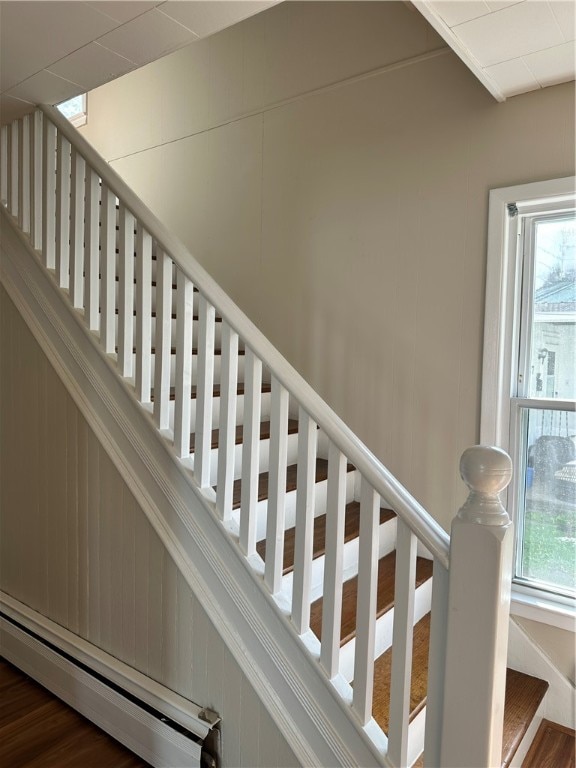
(512, 46)
(51, 51)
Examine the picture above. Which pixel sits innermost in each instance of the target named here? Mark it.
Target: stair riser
(265, 402)
(154, 299)
(217, 333)
(263, 457)
(217, 367)
(387, 543)
(320, 491)
(384, 629)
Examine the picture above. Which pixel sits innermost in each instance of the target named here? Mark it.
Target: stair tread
(523, 692)
(217, 352)
(523, 696)
(554, 745)
(291, 474)
(384, 600)
(264, 433)
(351, 529)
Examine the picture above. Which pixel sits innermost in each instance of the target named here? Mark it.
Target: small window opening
(74, 109)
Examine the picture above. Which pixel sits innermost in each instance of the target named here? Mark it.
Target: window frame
(500, 411)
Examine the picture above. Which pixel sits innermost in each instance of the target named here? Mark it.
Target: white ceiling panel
(205, 18)
(456, 12)
(515, 31)
(565, 13)
(91, 66)
(44, 87)
(147, 37)
(35, 34)
(513, 46)
(497, 5)
(123, 10)
(513, 77)
(555, 65)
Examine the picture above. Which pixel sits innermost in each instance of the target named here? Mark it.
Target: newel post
(478, 615)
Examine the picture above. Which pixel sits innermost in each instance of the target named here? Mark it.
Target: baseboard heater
(161, 727)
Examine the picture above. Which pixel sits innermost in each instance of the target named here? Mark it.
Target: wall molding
(307, 708)
(138, 729)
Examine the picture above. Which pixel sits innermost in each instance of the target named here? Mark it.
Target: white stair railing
(139, 289)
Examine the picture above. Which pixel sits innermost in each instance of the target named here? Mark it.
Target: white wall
(349, 222)
(75, 546)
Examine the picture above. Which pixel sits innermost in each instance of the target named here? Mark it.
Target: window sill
(530, 604)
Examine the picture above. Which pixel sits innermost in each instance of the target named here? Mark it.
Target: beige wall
(75, 546)
(558, 644)
(349, 223)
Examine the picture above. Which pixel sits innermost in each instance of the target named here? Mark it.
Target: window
(529, 385)
(75, 110)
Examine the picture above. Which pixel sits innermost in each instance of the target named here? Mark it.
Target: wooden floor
(38, 730)
(554, 746)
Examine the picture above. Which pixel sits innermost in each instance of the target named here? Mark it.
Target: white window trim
(500, 339)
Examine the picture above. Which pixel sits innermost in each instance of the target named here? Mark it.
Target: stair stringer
(308, 709)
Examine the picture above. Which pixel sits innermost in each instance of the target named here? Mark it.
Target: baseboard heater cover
(148, 733)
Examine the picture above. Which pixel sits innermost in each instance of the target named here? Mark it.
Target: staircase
(339, 546)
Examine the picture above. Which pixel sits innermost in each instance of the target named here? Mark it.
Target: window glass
(74, 109)
(552, 364)
(547, 521)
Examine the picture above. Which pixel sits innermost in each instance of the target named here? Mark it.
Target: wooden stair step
(241, 352)
(264, 433)
(419, 682)
(351, 530)
(554, 746)
(384, 600)
(291, 482)
(522, 699)
(523, 696)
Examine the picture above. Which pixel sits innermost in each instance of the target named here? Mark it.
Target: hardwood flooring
(554, 746)
(37, 730)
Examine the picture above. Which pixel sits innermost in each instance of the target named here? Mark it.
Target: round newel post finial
(486, 470)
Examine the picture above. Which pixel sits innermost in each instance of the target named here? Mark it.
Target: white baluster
(250, 451)
(183, 383)
(163, 339)
(436, 665)
(276, 487)
(203, 427)
(91, 251)
(402, 641)
(108, 267)
(366, 605)
(49, 194)
(36, 144)
(77, 183)
(62, 211)
(14, 182)
(477, 634)
(126, 292)
(24, 174)
(143, 314)
(304, 534)
(332, 595)
(227, 426)
(4, 163)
